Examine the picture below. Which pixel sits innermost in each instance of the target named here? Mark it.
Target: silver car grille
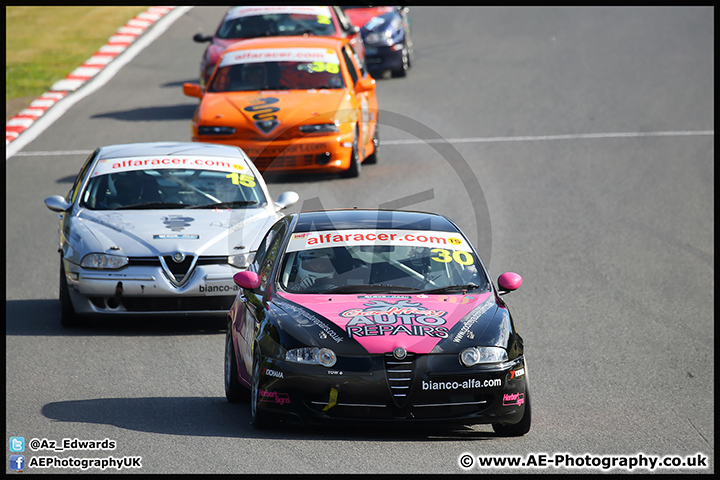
(399, 374)
(177, 272)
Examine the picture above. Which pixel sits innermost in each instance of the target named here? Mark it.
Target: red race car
(359, 15)
(240, 23)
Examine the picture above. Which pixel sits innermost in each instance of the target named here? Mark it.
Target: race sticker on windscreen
(262, 55)
(363, 237)
(220, 164)
(238, 12)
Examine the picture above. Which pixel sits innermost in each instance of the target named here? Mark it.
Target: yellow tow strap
(332, 401)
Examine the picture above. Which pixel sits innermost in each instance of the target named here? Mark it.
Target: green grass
(45, 44)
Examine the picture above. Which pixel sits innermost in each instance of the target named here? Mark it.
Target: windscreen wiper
(151, 205)
(234, 203)
(452, 288)
(375, 288)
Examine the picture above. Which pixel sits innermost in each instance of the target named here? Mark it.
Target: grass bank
(44, 44)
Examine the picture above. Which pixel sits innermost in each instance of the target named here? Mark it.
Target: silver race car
(160, 228)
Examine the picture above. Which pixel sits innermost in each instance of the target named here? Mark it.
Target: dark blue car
(386, 34)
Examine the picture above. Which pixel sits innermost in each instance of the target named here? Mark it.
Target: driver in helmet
(126, 188)
(313, 266)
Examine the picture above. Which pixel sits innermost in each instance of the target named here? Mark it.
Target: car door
(357, 71)
(252, 313)
(66, 226)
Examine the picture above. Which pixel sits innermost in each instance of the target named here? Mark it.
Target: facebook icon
(17, 462)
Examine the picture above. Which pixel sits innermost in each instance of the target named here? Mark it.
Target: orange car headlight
(216, 130)
(319, 128)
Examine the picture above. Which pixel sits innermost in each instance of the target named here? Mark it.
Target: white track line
(580, 136)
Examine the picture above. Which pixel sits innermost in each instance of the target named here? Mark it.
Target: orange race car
(292, 104)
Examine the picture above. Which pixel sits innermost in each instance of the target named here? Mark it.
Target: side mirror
(200, 38)
(247, 279)
(56, 203)
(192, 90)
(286, 199)
(365, 85)
(508, 282)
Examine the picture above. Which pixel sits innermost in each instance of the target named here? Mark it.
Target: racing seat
(256, 26)
(132, 188)
(150, 190)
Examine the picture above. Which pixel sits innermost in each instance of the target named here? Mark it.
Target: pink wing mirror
(508, 282)
(247, 279)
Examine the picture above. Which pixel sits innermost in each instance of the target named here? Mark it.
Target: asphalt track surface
(574, 145)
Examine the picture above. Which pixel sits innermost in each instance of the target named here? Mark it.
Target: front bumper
(314, 153)
(437, 389)
(141, 290)
(380, 59)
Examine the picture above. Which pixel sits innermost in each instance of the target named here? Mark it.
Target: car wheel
(372, 158)
(402, 71)
(516, 429)
(68, 317)
(234, 391)
(259, 418)
(354, 169)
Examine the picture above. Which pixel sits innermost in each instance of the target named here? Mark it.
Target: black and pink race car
(374, 315)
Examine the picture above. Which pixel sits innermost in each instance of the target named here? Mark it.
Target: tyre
(234, 391)
(68, 317)
(259, 418)
(354, 168)
(402, 71)
(372, 159)
(516, 429)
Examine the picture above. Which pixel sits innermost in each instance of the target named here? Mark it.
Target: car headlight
(319, 128)
(216, 130)
(312, 356)
(242, 260)
(103, 261)
(477, 355)
(379, 38)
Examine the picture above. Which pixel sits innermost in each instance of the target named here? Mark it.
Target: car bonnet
(288, 107)
(417, 323)
(153, 232)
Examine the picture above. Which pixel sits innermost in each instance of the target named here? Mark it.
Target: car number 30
(444, 256)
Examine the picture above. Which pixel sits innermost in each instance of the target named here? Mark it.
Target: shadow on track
(215, 417)
(42, 318)
(152, 114)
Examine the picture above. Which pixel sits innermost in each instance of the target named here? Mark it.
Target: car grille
(279, 163)
(155, 261)
(288, 134)
(177, 273)
(180, 270)
(450, 406)
(399, 374)
(179, 304)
